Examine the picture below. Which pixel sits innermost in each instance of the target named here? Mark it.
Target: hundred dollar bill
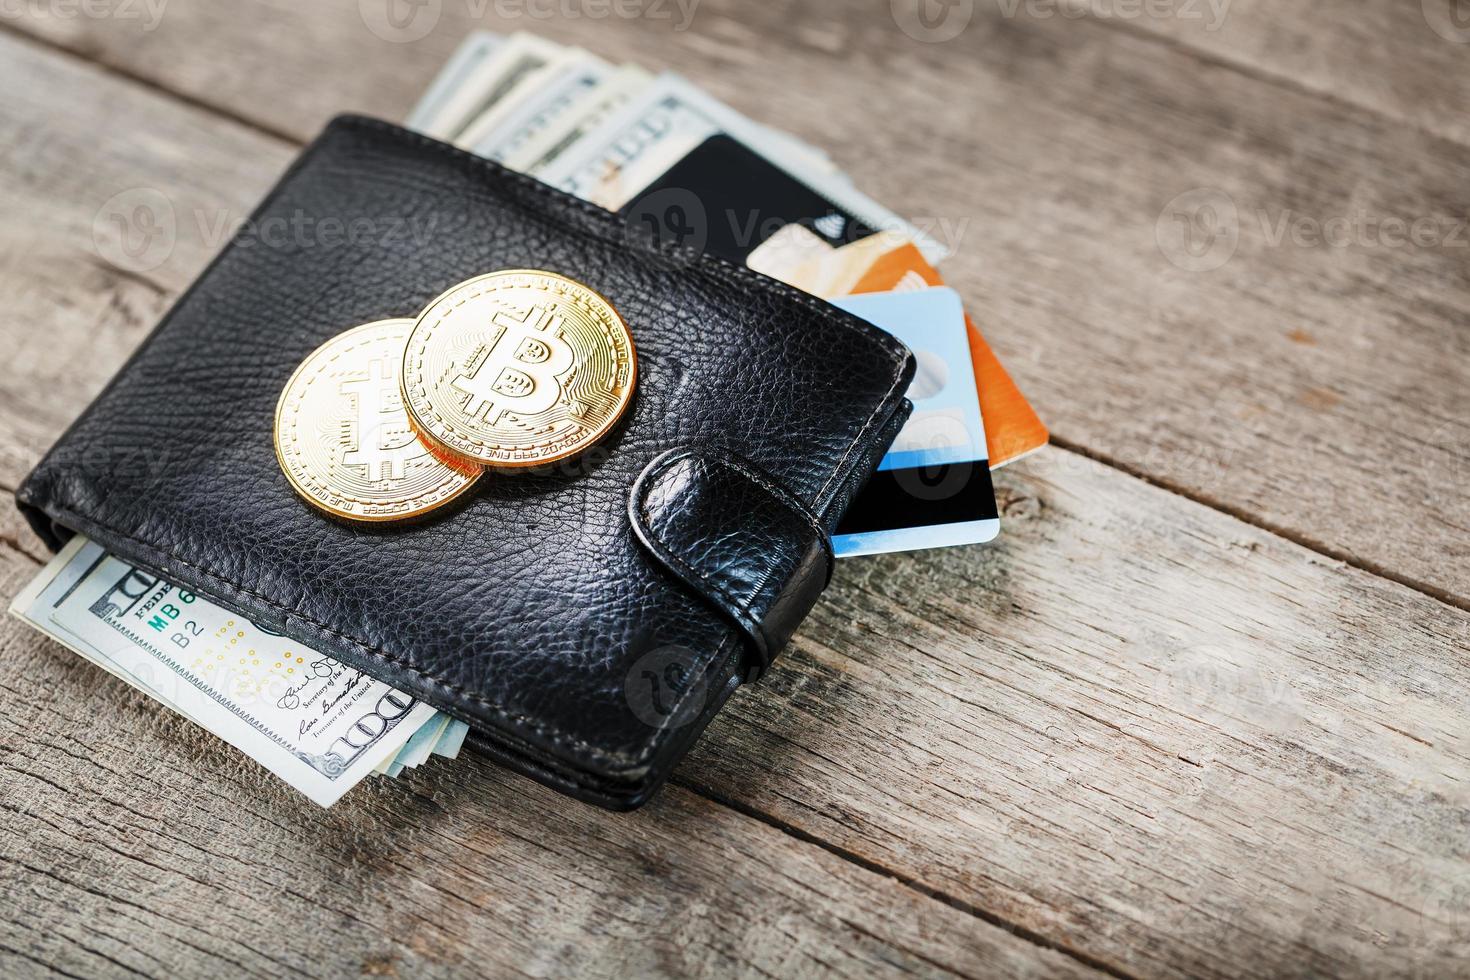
(520, 59)
(565, 79)
(473, 52)
(529, 103)
(538, 150)
(316, 723)
(441, 735)
(501, 132)
(534, 150)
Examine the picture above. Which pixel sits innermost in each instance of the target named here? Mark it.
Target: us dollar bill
(476, 49)
(515, 122)
(318, 724)
(634, 146)
(542, 147)
(519, 60)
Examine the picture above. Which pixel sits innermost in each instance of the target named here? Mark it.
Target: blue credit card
(933, 489)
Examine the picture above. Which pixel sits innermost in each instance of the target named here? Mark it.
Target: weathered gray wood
(1404, 59)
(131, 841)
(71, 316)
(1136, 729)
(120, 857)
(1319, 390)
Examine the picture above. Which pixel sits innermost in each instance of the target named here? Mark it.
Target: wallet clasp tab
(736, 536)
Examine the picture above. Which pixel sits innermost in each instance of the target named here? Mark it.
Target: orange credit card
(1012, 428)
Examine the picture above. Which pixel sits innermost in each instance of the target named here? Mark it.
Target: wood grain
(1137, 727)
(1138, 732)
(75, 141)
(1403, 59)
(180, 857)
(1316, 383)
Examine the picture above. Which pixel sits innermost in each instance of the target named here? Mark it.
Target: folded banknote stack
(681, 169)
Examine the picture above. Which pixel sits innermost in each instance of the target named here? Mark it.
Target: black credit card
(726, 199)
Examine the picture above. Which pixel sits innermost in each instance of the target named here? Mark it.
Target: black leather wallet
(586, 619)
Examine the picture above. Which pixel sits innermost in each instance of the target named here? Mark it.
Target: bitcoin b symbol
(344, 439)
(385, 443)
(520, 370)
(516, 369)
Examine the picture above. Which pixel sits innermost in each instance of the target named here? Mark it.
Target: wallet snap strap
(739, 538)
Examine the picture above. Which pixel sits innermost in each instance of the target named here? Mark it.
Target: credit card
(834, 271)
(789, 248)
(629, 154)
(1012, 427)
(933, 489)
(746, 199)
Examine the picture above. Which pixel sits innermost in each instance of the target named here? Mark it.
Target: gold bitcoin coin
(518, 368)
(344, 440)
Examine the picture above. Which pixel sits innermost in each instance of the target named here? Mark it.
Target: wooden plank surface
(1314, 383)
(1141, 734)
(185, 859)
(1404, 59)
(1138, 727)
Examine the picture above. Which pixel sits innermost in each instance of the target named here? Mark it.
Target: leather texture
(532, 609)
(738, 538)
